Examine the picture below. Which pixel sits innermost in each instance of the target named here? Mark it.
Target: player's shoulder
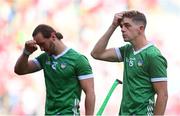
(42, 56)
(76, 54)
(126, 47)
(153, 51)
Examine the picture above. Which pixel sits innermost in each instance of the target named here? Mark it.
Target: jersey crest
(63, 65)
(140, 63)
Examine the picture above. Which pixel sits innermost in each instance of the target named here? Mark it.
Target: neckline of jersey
(61, 54)
(143, 48)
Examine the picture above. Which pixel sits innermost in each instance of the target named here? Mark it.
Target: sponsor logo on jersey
(130, 61)
(48, 62)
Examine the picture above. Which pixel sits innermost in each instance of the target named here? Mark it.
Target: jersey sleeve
(118, 53)
(83, 68)
(158, 68)
(123, 50)
(40, 60)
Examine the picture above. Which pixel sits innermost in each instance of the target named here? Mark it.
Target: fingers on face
(34, 44)
(119, 17)
(31, 43)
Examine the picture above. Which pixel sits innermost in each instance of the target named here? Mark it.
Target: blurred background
(82, 22)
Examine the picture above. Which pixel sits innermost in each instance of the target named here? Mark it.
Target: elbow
(90, 93)
(17, 71)
(94, 55)
(163, 96)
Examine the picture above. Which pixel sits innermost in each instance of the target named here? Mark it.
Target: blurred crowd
(82, 23)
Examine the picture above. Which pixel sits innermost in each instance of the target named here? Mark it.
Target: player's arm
(162, 97)
(23, 66)
(158, 70)
(84, 70)
(99, 51)
(88, 88)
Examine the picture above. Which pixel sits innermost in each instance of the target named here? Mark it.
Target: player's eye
(127, 25)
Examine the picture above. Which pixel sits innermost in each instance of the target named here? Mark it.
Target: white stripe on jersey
(158, 79)
(85, 76)
(75, 107)
(118, 53)
(37, 63)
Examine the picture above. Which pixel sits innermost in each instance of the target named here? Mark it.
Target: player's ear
(141, 27)
(53, 35)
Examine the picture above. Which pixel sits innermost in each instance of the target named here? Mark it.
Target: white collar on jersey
(146, 46)
(61, 54)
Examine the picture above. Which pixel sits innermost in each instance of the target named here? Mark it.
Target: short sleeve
(40, 60)
(123, 50)
(83, 68)
(158, 68)
(118, 53)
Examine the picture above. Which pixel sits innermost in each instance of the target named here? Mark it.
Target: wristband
(26, 52)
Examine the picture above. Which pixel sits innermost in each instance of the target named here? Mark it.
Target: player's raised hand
(31, 46)
(117, 19)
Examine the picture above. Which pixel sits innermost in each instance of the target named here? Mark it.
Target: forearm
(160, 105)
(89, 103)
(21, 64)
(102, 43)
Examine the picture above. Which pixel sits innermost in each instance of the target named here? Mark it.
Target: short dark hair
(136, 16)
(46, 31)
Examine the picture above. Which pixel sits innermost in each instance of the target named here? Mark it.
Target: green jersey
(141, 69)
(62, 74)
